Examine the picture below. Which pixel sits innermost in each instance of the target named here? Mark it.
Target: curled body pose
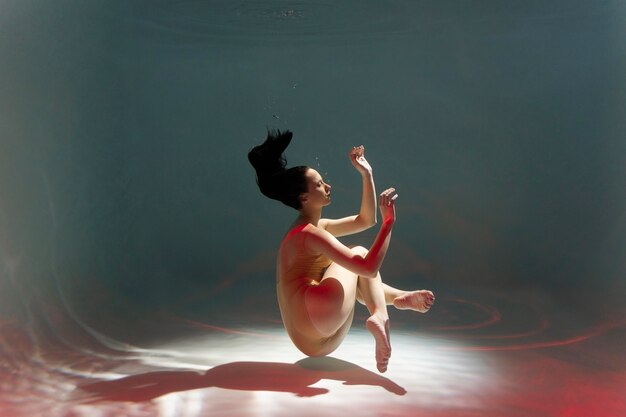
(319, 279)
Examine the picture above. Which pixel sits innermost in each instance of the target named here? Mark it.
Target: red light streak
(227, 330)
(494, 317)
(598, 330)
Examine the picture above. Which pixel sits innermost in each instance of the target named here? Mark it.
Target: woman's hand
(357, 157)
(386, 203)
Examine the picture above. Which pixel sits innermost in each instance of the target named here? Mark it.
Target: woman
(318, 278)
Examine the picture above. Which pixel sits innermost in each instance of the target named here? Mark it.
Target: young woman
(318, 278)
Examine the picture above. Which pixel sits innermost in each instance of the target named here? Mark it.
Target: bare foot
(420, 300)
(379, 328)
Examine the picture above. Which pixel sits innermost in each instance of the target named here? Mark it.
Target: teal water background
(125, 192)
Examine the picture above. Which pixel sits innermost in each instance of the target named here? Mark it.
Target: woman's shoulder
(313, 230)
(297, 233)
(301, 234)
(297, 242)
(301, 229)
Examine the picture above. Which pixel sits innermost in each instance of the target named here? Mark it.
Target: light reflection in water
(268, 376)
(252, 371)
(242, 375)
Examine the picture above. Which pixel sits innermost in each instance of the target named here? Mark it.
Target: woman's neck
(310, 216)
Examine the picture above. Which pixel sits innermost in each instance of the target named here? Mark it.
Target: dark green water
(124, 186)
(129, 215)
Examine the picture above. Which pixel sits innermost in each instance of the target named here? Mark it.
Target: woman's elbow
(369, 271)
(366, 222)
(369, 223)
(365, 267)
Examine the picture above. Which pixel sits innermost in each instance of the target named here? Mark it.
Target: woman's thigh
(331, 303)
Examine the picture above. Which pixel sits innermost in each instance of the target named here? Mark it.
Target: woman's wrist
(388, 222)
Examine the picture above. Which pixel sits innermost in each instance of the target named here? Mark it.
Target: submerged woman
(318, 278)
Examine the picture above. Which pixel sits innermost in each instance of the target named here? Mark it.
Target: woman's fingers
(387, 197)
(386, 203)
(384, 198)
(357, 150)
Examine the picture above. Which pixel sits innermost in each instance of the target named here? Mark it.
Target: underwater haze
(130, 216)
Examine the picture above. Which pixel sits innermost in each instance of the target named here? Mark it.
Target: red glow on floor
(544, 386)
(550, 370)
(595, 331)
(493, 316)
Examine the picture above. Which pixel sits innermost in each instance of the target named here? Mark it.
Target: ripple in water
(279, 20)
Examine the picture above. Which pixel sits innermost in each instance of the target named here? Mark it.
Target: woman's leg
(371, 289)
(417, 300)
(331, 303)
(330, 306)
(390, 294)
(372, 292)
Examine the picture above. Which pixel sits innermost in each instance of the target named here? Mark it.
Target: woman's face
(318, 191)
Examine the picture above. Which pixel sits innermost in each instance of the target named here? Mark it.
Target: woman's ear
(304, 197)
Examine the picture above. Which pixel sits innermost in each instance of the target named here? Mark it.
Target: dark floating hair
(273, 178)
(268, 158)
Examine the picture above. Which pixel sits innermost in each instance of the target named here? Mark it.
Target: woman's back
(298, 269)
(297, 266)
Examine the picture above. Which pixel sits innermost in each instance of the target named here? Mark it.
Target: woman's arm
(367, 214)
(321, 241)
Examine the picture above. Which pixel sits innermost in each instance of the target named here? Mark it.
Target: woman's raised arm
(367, 213)
(321, 241)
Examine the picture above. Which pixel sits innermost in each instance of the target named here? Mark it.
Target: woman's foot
(420, 300)
(379, 328)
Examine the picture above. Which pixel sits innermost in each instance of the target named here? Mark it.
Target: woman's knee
(360, 250)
